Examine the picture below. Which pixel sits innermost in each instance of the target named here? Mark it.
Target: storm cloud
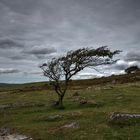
(40, 51)
(9, 44)
(33, 31)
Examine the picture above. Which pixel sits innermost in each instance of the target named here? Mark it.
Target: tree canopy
(65, 67)
(132, 69)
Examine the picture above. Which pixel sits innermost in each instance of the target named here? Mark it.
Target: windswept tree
(61, 70)
(132, 69)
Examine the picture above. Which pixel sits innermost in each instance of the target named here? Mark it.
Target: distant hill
(7, 84)
(74, 84)
(3, 84)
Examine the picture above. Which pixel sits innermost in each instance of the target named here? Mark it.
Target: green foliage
(132, 69)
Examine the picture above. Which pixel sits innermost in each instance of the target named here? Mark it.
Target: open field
(26, 108)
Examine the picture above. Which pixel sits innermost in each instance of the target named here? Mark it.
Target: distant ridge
(7, 84)
(114, 79)
(3, 84)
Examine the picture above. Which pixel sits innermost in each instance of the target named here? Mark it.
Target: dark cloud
(8, 70)
(18, 57)
(8, 44)
(66, 25)
(41, 50)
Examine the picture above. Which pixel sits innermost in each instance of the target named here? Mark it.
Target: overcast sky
(33, 31)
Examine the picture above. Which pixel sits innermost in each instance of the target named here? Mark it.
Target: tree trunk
(60, 102)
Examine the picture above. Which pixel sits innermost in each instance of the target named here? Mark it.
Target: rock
(10, 134)
(75, 94)
(76, 114)
(114, 82)
(71, 125)
(137, 77)
(6, 131)
(89, 88)
(17, 137)
(117, 116)
(91, 102)
(119, 97)
(53, 118)
(83, 101)
(87, 102)
(4, 106)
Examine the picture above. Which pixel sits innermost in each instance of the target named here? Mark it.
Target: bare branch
(64, 68)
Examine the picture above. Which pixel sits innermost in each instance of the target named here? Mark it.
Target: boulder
(114, 81)
(5, 106)
(83, 101)
(71, 125)
(117, 116)
(89, 88)
(119, 98)
(91, 102)
(87, 102)
(75, 93)
(10, 134)
(53, 118)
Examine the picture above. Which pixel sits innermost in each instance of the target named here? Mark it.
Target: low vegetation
(28, 109)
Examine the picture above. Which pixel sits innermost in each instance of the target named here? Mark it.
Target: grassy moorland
(27, 109)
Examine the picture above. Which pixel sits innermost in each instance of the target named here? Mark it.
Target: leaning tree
(61, 70)
(132, 69)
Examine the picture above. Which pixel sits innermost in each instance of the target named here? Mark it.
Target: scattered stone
(73, 125)
(91, 102)
(117, 116)
(89, 88)
(10, 134)
(53, 118)
(75, 94)
(137, 77)
(114, 82)
(5, 106)
(75, 114)
(83, 101)
(120, 97)
(17, 137)
(87, 102)
(5, 131)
